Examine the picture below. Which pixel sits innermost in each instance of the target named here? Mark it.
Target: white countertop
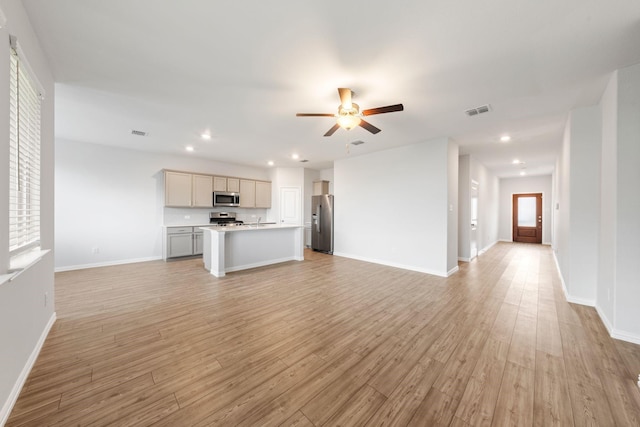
(187, 225)
(249, 227)
(207, 224)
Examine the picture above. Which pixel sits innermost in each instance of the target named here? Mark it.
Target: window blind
(24, 159)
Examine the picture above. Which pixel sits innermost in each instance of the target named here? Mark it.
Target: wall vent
(139, 132)
(357, 142)
(478, 110)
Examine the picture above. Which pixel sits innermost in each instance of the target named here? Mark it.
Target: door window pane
(526, 211)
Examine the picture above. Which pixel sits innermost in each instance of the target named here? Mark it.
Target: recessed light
(523, 173)
(206, 135)
(188, 148)
(295, 156)
(505, 138)
(516, 162)
(270, 163)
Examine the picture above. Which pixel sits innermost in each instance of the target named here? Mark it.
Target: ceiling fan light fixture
(348, 121)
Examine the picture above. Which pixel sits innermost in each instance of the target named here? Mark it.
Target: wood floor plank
(358, 409)
(325, 341)
(325, 404)
(437, 409)
(399, 408)
(479, 399)
(248, 403)
(552, 404)
(514, 406)
(297, 420)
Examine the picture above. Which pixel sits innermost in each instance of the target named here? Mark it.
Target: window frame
(25, 140)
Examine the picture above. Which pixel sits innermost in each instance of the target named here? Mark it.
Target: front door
(527, 218)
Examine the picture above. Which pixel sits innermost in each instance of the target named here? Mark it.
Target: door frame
(514, 213)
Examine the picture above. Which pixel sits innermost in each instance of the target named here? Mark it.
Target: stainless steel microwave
(223, 198)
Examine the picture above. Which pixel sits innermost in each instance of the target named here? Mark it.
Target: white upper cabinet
(183, 189)
(233, 185)
(219, 183)
(202, 191)
(247, 193)
(263, 194)
(177, 189)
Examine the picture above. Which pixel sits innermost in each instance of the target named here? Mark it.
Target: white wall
(608, 201)
(327, 175)
(112, 199)
(452, 214)
(464, 208)
(627, 288)
(598, 230)
(488, 199)
(24, 318)
(562, 207)
(525, 184)
(411, 182)
(586, 133)
(579, 205)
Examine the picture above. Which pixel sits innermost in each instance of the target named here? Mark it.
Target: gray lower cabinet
(183, 241)
(198, 242)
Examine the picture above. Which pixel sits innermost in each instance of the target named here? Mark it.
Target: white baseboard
(570, 298)
(617, 333)
(625, 336)
(605, 320)
(453, 270)
(106, 264)
(486, 248)
(463, 259)
(392, 264)
(506, 240)
(22, 378)
(613, 332)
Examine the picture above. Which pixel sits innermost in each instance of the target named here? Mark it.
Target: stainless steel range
(225, 219)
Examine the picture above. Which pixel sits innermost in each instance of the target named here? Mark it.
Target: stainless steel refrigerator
(322, 223)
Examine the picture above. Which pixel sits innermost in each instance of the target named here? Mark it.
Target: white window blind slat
(24, 159)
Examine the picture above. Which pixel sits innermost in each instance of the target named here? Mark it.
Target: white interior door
(473, 235)
(290, 206)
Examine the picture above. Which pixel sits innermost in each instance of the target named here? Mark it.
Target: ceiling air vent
(304, 161)
(478, 110)
(357, 142)
(138, 132)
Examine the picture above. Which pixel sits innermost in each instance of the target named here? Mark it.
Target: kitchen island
(228, 249)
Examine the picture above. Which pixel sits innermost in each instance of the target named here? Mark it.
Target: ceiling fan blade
(368, 126)
(345, 97)
(380, 110)
(315, 115)
(332, 130)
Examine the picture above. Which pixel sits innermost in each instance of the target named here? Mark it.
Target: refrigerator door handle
(318, 218)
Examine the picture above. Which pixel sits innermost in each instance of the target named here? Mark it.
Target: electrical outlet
(95, 250)
(46, 298)
(187, 217)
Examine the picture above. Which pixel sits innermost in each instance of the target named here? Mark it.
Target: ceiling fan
(349, 115)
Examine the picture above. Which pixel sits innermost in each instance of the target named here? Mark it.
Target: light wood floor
(329, 341)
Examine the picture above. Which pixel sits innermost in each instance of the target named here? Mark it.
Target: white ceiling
(242, 69)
